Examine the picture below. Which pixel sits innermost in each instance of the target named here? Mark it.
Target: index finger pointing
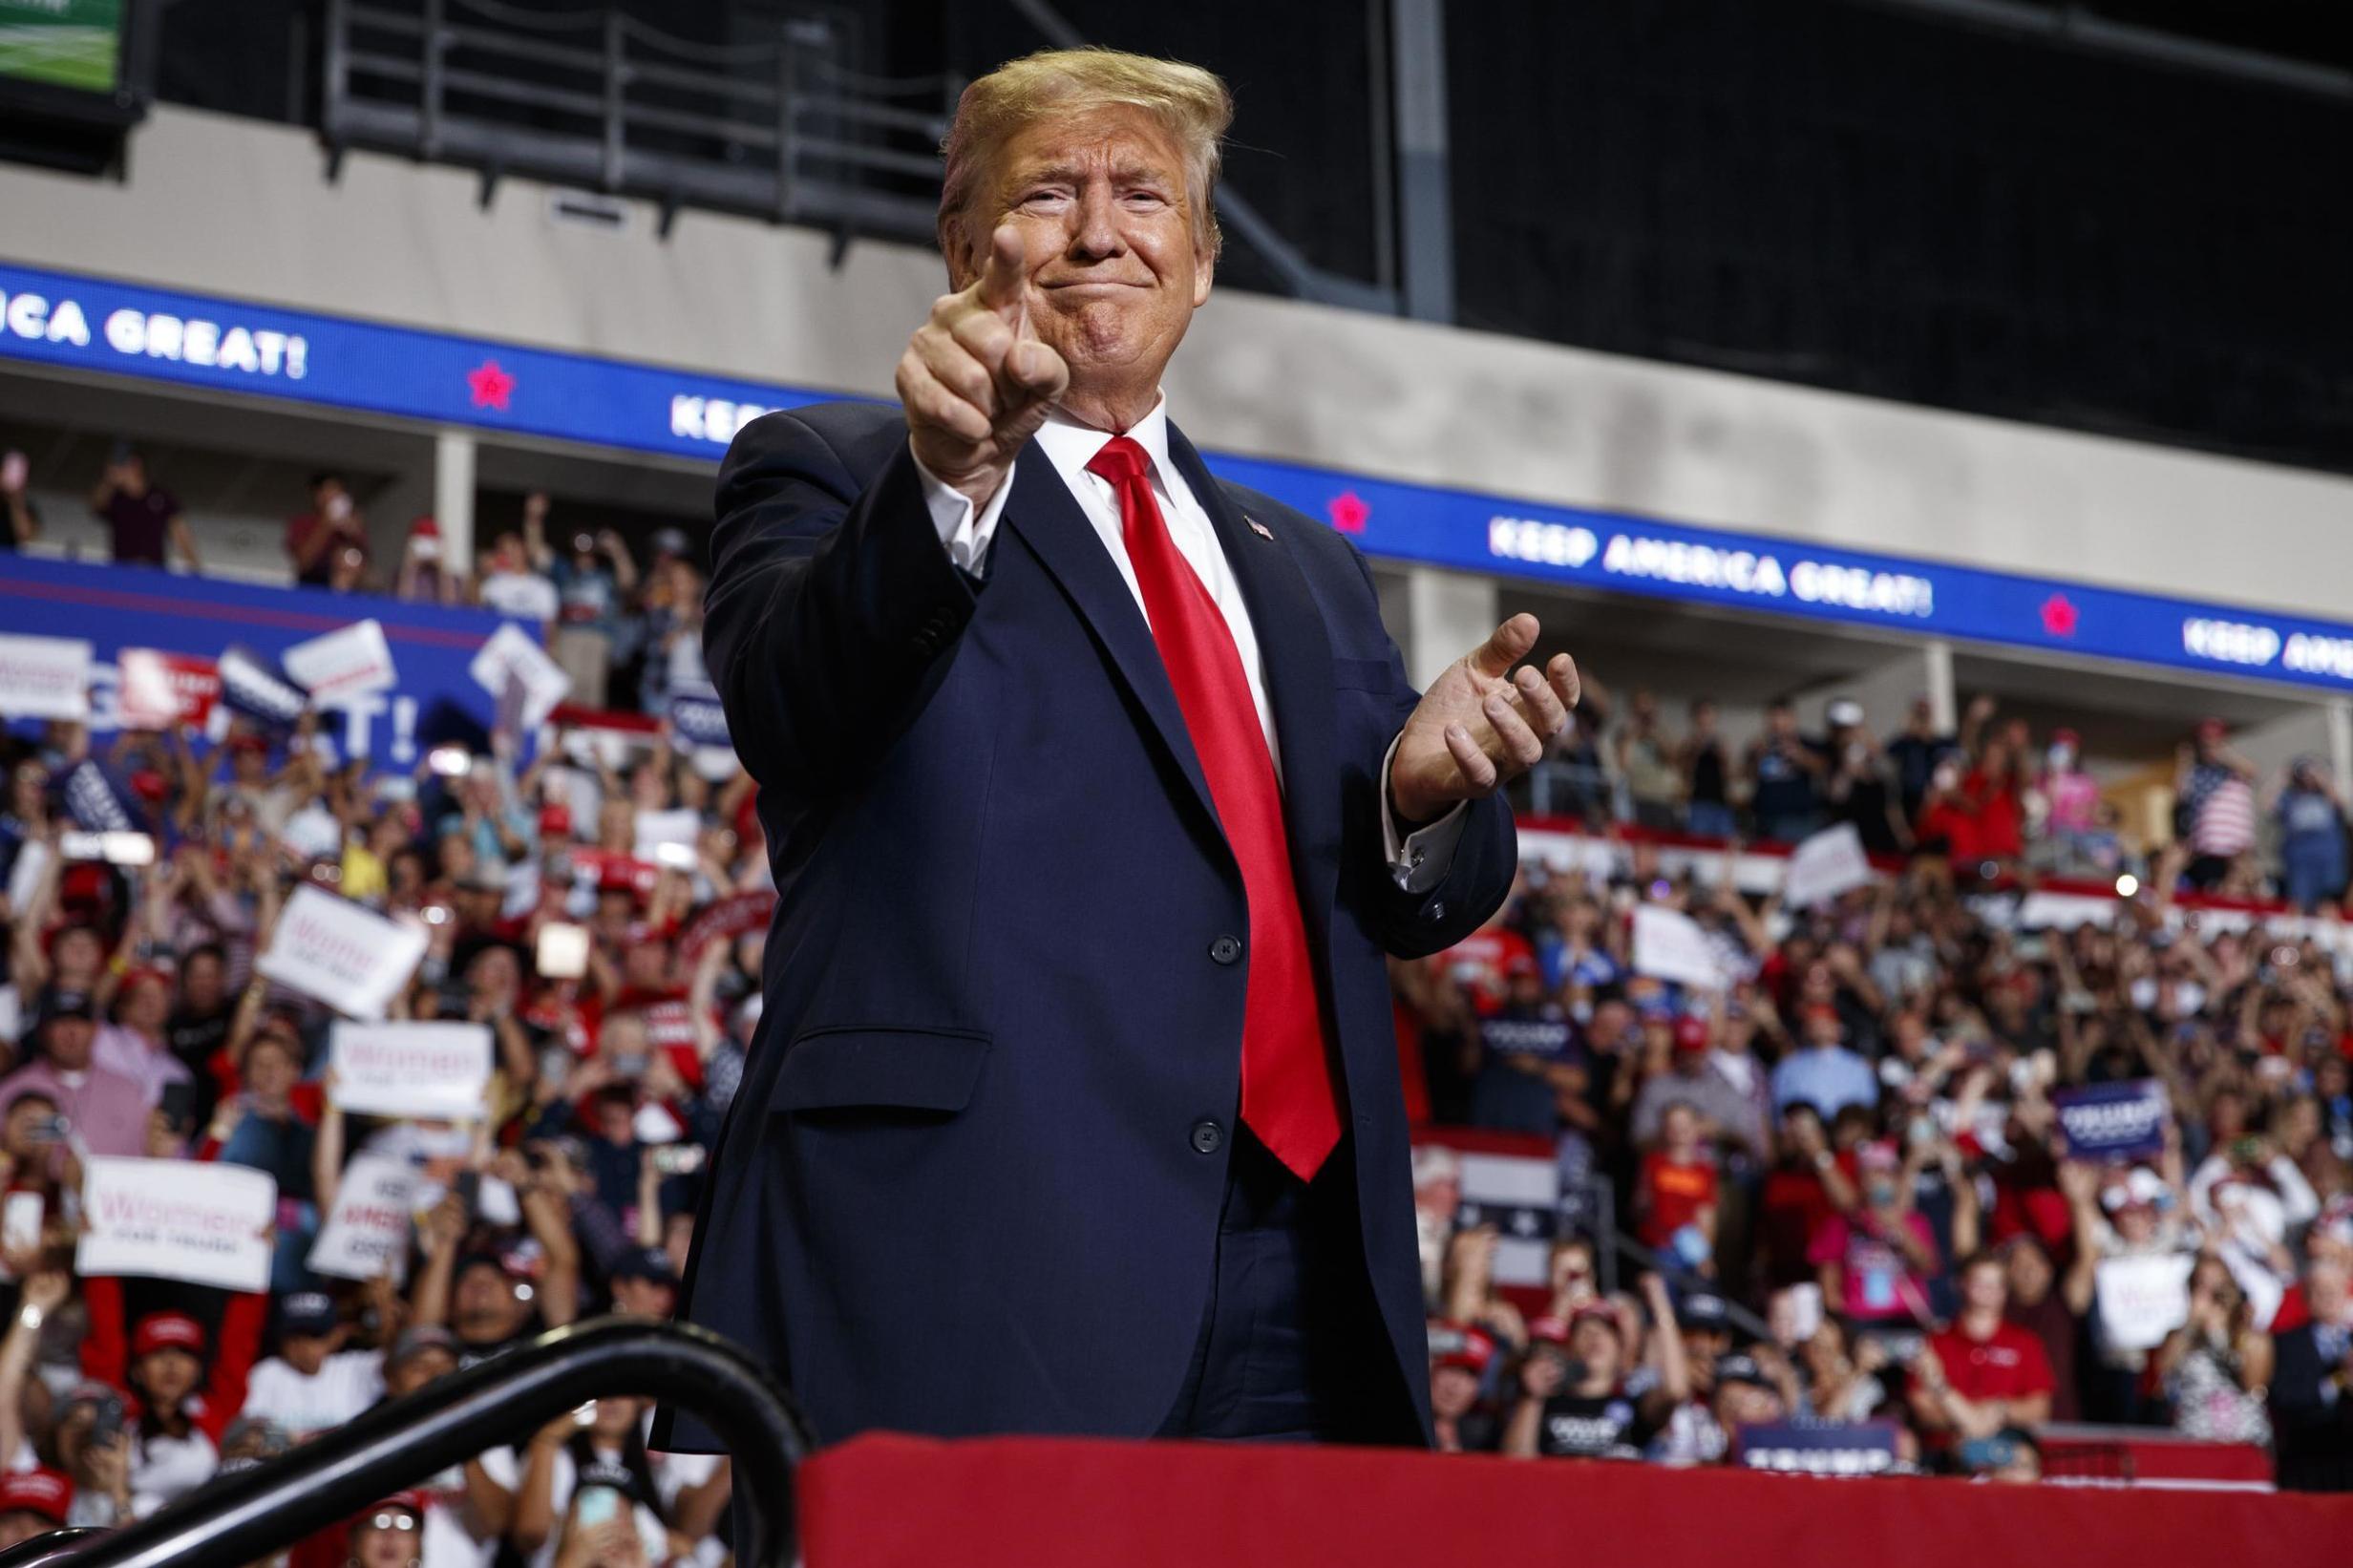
(1000, 276)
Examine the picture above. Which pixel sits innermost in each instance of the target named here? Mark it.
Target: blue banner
(227, 346)
(1626, 555)
(114, 607)
(2114, 1121)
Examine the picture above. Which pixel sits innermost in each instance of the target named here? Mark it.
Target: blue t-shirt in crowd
(1827, 1077)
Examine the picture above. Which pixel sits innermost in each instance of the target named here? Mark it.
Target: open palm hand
(1481, 723)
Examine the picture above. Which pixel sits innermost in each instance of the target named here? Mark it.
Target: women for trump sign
(349, 957)
(205, 1224)
(433, 1071)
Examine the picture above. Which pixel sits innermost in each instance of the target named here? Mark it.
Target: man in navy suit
(2312, 1382)
(1096, 793)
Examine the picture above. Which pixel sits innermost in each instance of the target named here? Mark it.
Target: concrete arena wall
(239, 208)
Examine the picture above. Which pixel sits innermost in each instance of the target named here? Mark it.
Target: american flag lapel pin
(1256, 527)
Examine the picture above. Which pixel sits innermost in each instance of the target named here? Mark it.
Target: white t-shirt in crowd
(164, 1469)
(349, 1383)
(525, 595)
(453, 1537)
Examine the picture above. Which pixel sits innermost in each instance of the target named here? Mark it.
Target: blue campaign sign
(2114, 1121)
(1818, 1448)
(114, 607)
(223, 344)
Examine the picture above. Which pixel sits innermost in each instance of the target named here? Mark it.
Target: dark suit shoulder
(861, 436)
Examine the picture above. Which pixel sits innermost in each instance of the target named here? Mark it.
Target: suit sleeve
(831, 606)
(2303, 1407)
(1412, 923)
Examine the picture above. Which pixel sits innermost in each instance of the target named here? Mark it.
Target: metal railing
(248, 1516)
(781, 126)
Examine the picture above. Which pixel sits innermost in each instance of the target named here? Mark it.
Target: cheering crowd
(1982, 797)
(1878, 1208)
(1849, 1200)
(145, 1032)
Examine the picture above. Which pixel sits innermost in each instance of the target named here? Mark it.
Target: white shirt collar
(1070, 446)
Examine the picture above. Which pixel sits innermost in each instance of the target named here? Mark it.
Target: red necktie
(1288, 1094)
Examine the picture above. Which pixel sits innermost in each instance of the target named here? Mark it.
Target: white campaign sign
(44, 678)
(351, 958)
(1826, 865)
(675, 829)
(367, 1232)
(205, 1224)
(434, 1071)
(2142, 1300)
(342, 664)
(1671, 947)
(511, 651)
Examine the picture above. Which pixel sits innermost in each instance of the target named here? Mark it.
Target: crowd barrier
(887, 1501)
(1565, 844)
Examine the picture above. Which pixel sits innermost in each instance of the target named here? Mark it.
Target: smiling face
(1111, 244)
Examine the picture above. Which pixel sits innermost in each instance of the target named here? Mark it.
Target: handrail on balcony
(256, 1513)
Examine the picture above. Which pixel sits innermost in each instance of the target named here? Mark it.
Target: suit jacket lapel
(1296, 656)
(1047, 515)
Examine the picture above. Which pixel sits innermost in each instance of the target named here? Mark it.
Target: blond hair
(1190, 103)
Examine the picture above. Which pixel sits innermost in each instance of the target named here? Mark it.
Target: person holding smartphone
(593, 1476)
(317, 539)
(141, 517)
(23, 519)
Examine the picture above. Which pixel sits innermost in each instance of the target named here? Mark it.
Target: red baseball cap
(1690, 1033)
(168, 1331)
(1601, 1312)
(141, 975)
(42, 1492)
(1473, 1351)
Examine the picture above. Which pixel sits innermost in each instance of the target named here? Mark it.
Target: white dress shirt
(1419, 861)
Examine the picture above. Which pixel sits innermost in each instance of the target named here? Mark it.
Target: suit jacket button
(1225, 950)
(1208, 1137)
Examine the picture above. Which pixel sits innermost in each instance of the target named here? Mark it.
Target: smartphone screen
(178, 1104)
(597, 1505)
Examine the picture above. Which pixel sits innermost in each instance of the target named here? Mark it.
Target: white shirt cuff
(1420, 861)
(964, 529)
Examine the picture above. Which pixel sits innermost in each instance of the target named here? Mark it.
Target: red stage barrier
(898, 1502)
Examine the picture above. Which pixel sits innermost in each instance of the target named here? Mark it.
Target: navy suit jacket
(960, 1190)
(2312, 1436)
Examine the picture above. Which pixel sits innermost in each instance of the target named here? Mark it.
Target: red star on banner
(1348, 511)
(489, 386)
(2059, 616)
